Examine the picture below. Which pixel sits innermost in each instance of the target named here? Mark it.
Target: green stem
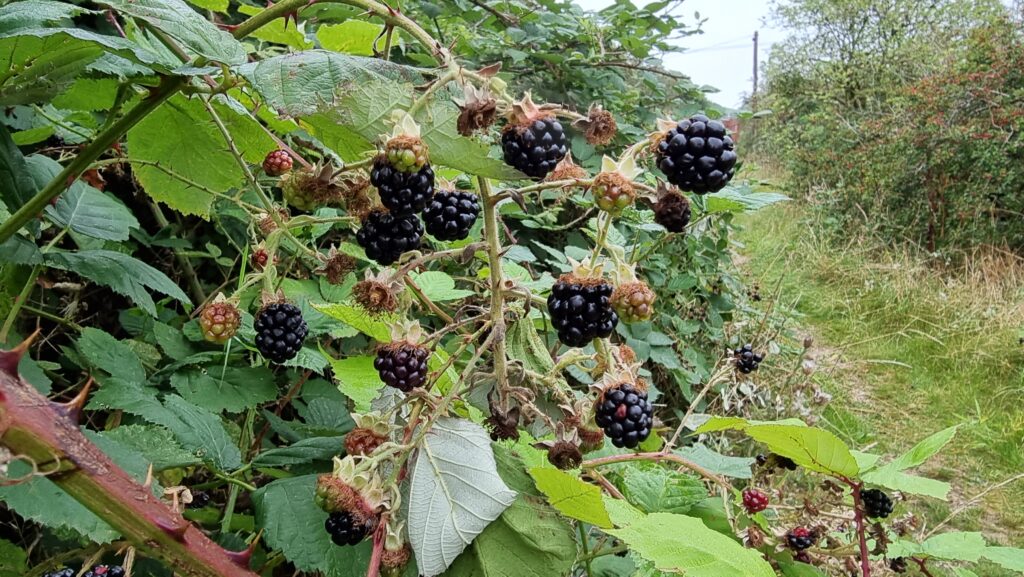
(26, 291)
(183, 262)
(585, 545)
(490, 209)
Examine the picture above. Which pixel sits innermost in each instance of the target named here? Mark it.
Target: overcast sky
(723, 55)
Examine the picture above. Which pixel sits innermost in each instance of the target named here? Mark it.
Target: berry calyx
(877, 504)
(385, 237)
(370, 432)
(580, 309)
(402, 192)
(503, 426)
(801, 538)
(672, 211)
(280, 331)
(565, 455)
(336, 266)
(697, 155)
(450, 215)
(746, 359)
(345, 530)
(277, 163)
(311, 188)
(477, 110)
(613, 192)
(534, 141)
(625, 414)
(378, 293)
(599, 127)
(406, 153)
(633, 301)
(566, 169)
(353, 498)
(220, 320)
(754, 501)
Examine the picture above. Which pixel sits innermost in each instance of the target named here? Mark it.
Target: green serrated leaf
(12, 560)
(654, 490)
(105, 352)
(304, 451)
(16, 184)
(735, 467)
(438, 286)
(82, 208)
(572, 497)
(193, 32)
(277, 31)
(89, 94)
(231, 389)
(357, 379)
(156, 444)
(1009, 557)
(373, 326)
(350, 37)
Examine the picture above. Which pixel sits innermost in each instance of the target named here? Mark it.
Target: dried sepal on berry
(564, 451)
(503, 425)
(566, 169)
(613, 188)
(580, 416)
(378, 293)
(309, 189)
(405, 151)
(599, 126)
(477, 110)
(352, 487)
(336, 266)
(266, 222)
(220, 320)
(371, 431)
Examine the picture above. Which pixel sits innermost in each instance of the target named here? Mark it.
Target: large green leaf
(193, 32)
(357, 379)
(373, 326)
(104, 352)
(655, 490)
(16, 184)
(31, 13)
(122, 273)
(1009, 557)
(736, 467)
(891, 474)
(681, 544)
(954, 546)
(448, 148)
(231, 389)
(572, 497)
(304, 451)
(293, 524)
(82, 208)
(278, 31)
(354, 37)
(12, 560)
(156, 444)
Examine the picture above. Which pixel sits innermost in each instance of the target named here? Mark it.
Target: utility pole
(753, 93)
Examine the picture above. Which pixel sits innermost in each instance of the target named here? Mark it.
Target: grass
(908, 349)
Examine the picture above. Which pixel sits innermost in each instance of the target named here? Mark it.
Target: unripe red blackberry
(402, 365)
(633, 301)
(402, 192)
(534, 141)
(801, 538)
(277, 163)
(260, 258)
(385, 237)
(280, 331)
(393, 561)
(580, 309)
(625, 414)
(220, 320)
(451, 214)
(672, 211)
(877, 504)
(697, 155)
(754, 501)
(613, 192)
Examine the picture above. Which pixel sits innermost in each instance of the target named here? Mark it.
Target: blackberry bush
(386, 237)
(697, 155)
(280, 331)
(451, 214)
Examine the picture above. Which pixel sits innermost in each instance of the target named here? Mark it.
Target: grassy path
(907, 351)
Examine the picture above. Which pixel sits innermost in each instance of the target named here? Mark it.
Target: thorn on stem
(9, 359)
(175, 530)
(73, 408)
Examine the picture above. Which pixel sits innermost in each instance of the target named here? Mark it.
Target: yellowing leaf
(572, 497)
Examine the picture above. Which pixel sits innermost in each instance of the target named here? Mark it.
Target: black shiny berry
(402, 365)
(625, 415)
(672, 211)
(61, 573)
(342, 528)
(536, 148)
(877, 504)
(582, 312)
(746, 359)
(697, 155)
(105, 571)
(403, 193)
(451, 214)
(385, 237)
(280, 331)
(801, 538)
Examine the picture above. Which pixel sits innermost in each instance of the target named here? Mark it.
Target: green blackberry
(535, 147)
(402, 365)
(801, 538)
(625, 415)
(581, 310)
(280, 331)
(451, 214)
(344, 530)
(697, 155)
(877, 504)
(385, 237)
(403, 193)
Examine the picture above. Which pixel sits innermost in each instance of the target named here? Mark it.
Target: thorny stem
(490, 210)
(858, 517)
(922, 564)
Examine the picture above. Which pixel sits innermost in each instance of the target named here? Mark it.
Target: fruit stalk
(47, 433)
(490, 210)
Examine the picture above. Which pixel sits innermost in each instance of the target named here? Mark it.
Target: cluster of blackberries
(581, 310)
(877, 504)
(754, 501)
(402, 365)
(535, 148)
(343, 529)
(280, 331)
(625, 415)
(403, 193)
(95, 571)
(746, 359)
(801, 538)
(697, 155)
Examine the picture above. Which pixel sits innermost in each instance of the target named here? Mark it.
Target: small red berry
(220, 321)
(277, 163)
(754, 501)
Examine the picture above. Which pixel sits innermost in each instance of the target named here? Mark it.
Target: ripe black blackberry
(403, 193)
(581, 310)
(105, 571)
(877, 504)
(898, 564)
(280, 331)
(697, 155)
(62, 573)
(672, 211)
(451, 214)
(344, 530)
(801, 538)
(385, 236)
(625, 415)
(534, 141)
(402, 365)
(746, 359)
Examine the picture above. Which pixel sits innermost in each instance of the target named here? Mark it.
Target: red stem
(858, 516)
(921, 564)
